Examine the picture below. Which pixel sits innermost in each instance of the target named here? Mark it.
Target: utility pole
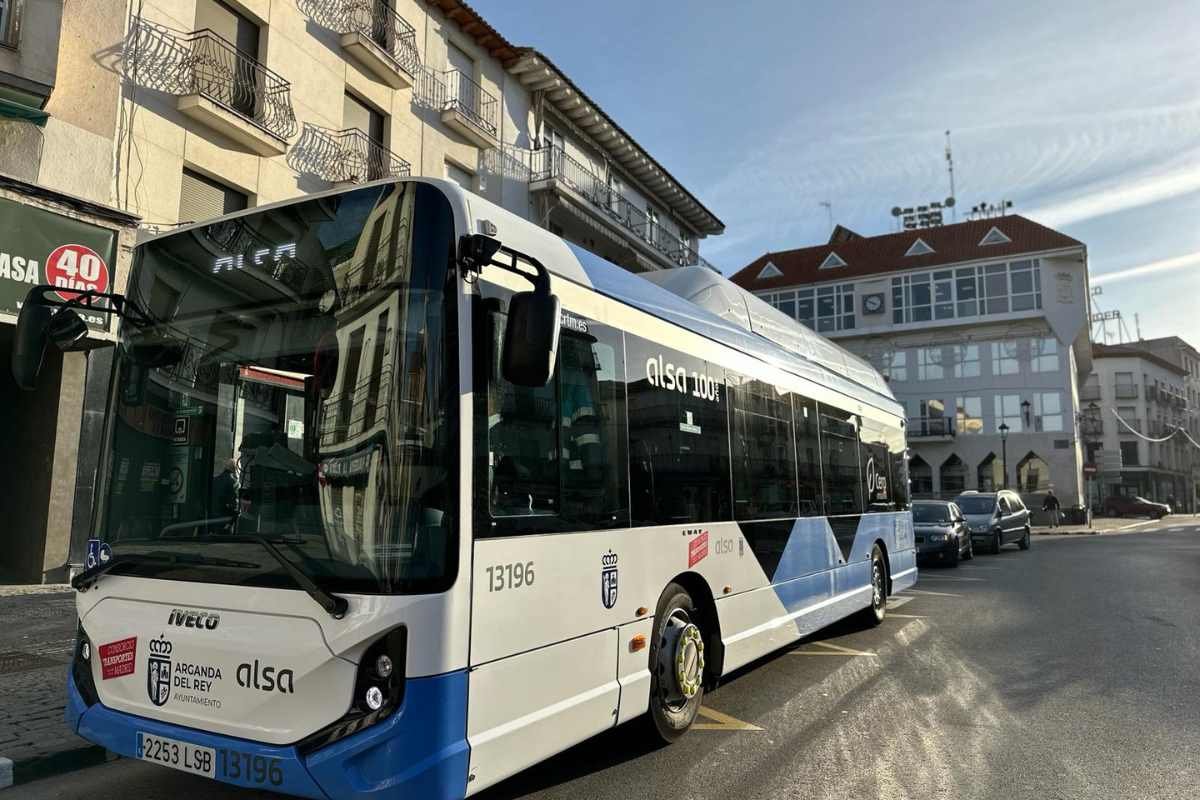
(950, 170)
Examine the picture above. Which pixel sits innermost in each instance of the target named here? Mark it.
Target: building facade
(1182, 354)
(1141, 396)
(982, 331)
(172, 111)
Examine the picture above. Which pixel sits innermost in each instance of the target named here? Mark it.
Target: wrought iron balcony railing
(919, 427)
(1126, 391)
(202, 63)
(376, 20)
(344, 156)
(454, 91)
(553, 162)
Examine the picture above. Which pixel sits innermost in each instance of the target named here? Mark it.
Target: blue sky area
(1085, 114)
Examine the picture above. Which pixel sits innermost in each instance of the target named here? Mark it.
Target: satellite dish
(949, 202)
(895, 211)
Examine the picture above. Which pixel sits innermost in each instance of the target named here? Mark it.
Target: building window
(912, 300)
(990, 474)
(895, 365)
(1026, 281)
(966, 361)
(968, 415)
(835, 308)
(202, 198)
(9, 11)
(1008, 412)
(357, 115)
(651, 223)
(1047, 411)
(943, 294)
(1004, 358)
(920, 476)
(995, 288)
(1129, 454)
(929, 364)
(462, 177)
(1043, 354)
(1126, 389)
(954, 476)
(966, 288)
(1033, 474)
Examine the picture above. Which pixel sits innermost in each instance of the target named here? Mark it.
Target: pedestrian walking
(1051, 506)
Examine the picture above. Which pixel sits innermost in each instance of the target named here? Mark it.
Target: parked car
(995, 518)
(1122, 506)
(941, 532)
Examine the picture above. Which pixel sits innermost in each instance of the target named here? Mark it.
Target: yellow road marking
(721, 722)
(831, 650)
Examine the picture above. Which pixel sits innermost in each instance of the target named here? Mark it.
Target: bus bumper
(418, 751)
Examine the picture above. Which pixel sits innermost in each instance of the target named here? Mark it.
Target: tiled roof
(880, 254)
(1134, 350)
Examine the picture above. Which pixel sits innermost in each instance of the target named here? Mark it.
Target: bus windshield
(294, 384)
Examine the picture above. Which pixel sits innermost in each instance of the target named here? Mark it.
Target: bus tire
(676, 666)
(873, 614)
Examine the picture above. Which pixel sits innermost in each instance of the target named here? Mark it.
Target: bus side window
(843, 476)
(899, 457)
(678, 437)
(808, 454)
(555, 455)
(876, 466)
(763, 457)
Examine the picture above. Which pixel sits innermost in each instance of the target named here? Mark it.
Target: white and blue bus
(402, 494)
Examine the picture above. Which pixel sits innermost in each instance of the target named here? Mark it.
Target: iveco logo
(208, 620)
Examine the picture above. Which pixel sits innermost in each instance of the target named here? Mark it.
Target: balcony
(1134, 423)
(344, 157)
(373, 35)
(1127, 391)
(1087, 393)
(552, 170)
(465, 106)
(1091, 427)
(941, 428)
(215, 83)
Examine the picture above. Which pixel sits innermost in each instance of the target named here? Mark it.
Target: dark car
(1121, 506)
(941, 532)
(995, 518)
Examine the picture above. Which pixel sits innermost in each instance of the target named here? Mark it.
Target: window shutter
(202, 198)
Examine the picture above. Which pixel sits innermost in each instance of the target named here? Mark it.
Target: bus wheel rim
(681, 660)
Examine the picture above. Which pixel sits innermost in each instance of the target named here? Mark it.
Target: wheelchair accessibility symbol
(98, 553)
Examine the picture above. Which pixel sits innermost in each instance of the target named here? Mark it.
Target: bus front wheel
(676, 665)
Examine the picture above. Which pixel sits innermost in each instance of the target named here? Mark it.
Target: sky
(1084, 113)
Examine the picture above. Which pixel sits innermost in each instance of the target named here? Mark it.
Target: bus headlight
(378, 690)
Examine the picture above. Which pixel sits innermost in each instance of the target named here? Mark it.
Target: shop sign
(39, 246)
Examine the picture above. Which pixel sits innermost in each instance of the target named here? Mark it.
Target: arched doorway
(990, 474)
(920, 477)
(1033, 474)
(954, 477)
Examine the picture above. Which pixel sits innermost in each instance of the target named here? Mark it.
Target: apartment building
(1149, 395)
(171, 111)
(981, 329)
(1182, 354)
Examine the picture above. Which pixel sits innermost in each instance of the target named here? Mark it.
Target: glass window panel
(762, 454)
(839, 447)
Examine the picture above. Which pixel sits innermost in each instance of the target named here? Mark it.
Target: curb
(15, 773)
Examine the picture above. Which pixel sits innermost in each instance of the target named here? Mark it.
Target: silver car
(995, 518)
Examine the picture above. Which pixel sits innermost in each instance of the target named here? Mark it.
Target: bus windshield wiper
(86, 578)
(334, 605)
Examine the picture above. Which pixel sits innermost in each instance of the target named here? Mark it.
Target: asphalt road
(1068, 671)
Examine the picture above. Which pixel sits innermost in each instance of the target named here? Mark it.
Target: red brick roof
(877, 254)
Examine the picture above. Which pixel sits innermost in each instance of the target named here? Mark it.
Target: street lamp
(1004, 452)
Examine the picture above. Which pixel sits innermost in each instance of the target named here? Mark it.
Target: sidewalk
(37, 634)
(1109, 525)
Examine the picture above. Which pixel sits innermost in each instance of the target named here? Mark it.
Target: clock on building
(873, 303)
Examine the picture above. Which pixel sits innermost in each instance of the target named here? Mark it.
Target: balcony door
(227, 68)
(364, 152)
(463, 91)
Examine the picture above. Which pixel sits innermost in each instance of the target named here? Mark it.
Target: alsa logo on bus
(877, 485)
(665, 375)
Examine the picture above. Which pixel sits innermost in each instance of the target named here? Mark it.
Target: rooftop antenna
(1137, 326)
(828, 210)
(950, 170)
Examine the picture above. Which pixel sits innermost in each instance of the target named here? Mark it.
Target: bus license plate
(179, 755)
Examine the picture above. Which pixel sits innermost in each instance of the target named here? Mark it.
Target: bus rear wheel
(874, 613)
(676, 666)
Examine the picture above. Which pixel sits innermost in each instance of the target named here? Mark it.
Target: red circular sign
(78, 267)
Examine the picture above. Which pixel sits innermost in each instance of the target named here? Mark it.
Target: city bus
(401, 494)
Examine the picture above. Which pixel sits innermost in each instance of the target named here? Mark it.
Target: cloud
(1153, 268)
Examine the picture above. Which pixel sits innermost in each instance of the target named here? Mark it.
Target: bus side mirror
(531, 338)
(29, 342)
